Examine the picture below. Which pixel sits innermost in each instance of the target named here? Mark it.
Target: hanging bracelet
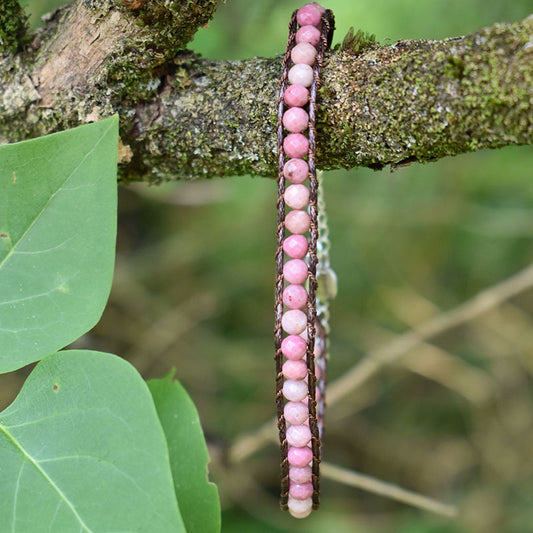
(301, 315)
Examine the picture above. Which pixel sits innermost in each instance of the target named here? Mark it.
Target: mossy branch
(12, 26)
(185, 117)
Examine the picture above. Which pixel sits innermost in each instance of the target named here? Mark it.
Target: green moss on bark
(13, 23)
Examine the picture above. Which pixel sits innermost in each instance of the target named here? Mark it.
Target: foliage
(83, 433)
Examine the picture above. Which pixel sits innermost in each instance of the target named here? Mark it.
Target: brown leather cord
(278, 332)
(315, 418)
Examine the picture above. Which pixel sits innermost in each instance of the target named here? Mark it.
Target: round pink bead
(296, 370)
(293, 347)
(296, 196)
(298, 435)
(301, 74)
(296, 95)
(300, 474)
(304, 53)
(294, 296)
(295, 246)
(295, 119)
(301, 491)
(296, 145)
(294, 321)
(308, 14)
(300, 456)
(298, 222)
(300, 508)
(296, 170)
(320, 8)
(296, 413)
(295, 271)
(308, 34)
(295, 391)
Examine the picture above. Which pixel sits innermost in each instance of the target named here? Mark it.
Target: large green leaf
(197, 497)
(57, 239)
(82, 449)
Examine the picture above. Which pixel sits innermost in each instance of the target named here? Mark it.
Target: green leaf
(197, 497)
(57, 239)
(82, 449)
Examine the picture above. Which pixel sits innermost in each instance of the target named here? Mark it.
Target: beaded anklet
(301, 315)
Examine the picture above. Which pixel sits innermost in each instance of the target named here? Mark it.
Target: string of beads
(296, 259)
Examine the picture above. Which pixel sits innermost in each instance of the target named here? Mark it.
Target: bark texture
(185, 117)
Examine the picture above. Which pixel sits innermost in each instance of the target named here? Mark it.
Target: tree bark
(185, 117)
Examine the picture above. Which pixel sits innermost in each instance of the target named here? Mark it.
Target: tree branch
(12, 26)
(184, 117)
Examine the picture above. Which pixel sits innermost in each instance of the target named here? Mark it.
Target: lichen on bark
(186, 117)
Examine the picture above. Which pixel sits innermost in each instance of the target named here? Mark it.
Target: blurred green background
(194, 290)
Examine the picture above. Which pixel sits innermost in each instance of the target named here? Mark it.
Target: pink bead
(298, 222)
(295, 391)
(301, 491)
(321, 9)
(296, 170)
(301, 74)
(294, 321)
(308, 14)
(296, 196)
(295, 271)
(296, 370)
(295, 246)
(294, 296)
(299, 456)
(300, 474)
(308, 34)
(300, 508)
(296, 413)
(296, 145)
(296, 95)
(304, 53)
(293, 347)
(295, 119)
(298, 435)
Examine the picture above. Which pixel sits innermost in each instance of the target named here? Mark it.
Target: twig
(377, 359)
(370, 484)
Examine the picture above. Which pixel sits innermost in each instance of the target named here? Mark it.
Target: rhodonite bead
(320, 8)
(295, 271)
(300, 474)
(296, 170)
(295, 246)
(300, 456)
(308, 14)
(296, 95)
(300, 508)
(304, 53)
(298, 222)
(301, 491)
(298, 435)
(295, 119)
(294, 296)
(296, 145)
(293, 347)
(296, 196)
(296, 370)
(308, 34)
(295, 391)
(301, 74)
(294, 321)
(296, 413)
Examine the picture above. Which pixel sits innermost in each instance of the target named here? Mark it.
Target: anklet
(301, 316)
